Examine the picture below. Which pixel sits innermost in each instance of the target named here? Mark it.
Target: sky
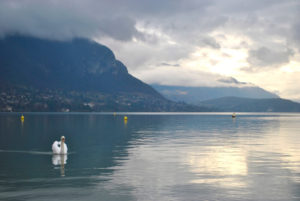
(178, 42)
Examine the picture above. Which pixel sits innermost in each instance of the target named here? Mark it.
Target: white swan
(58, 159)
(60, 147)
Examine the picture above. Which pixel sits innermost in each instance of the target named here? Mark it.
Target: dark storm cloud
(72, 18)
(243, 7)
(159, 8)
(121, 28)
(117, 19)
(158, 25)
(65, 19)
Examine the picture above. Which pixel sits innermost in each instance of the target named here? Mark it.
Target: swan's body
(59, 159)
(60, 147)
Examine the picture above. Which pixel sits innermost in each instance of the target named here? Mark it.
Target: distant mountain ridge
(194, 95)
(237, 104)
(76, 75)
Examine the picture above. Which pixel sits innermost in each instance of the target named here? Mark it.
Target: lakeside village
(26, 99)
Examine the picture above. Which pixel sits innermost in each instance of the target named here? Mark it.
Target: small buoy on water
(125, 118)
(115, 114)
(233, 115)
(22, 117)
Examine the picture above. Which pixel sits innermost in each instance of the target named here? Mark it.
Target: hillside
(78, 75)
(79, 64)
(235, 104)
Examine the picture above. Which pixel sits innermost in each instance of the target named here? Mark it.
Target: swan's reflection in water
(60, 159)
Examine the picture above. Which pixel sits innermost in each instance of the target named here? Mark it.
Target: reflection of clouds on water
(285, 143)
(255, 153)
(167, 158)
(181, 160)
(223, 166)
(221, 160)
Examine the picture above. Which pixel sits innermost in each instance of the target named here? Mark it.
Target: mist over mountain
(229, 99)
(194, 95)
(237, 104)
(76, 75)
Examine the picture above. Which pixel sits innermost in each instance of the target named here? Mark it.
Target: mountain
(79, 64)
(76, 75)
(194, 95)
(236, 104)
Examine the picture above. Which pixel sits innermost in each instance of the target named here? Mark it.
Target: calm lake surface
(151, 157)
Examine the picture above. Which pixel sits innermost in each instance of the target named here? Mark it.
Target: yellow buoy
(22, 117)
(125, 120)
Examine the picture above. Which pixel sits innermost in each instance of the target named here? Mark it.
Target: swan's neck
(62, 147)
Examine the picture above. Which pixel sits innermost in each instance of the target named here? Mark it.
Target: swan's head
(62, 138)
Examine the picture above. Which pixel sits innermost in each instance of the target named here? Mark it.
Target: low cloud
(231, 80)
(182, 77)
(168, 64)
(64, 20)
(265, 57)
(211, 42)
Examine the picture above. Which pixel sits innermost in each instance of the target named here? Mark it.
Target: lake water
(151, 157)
